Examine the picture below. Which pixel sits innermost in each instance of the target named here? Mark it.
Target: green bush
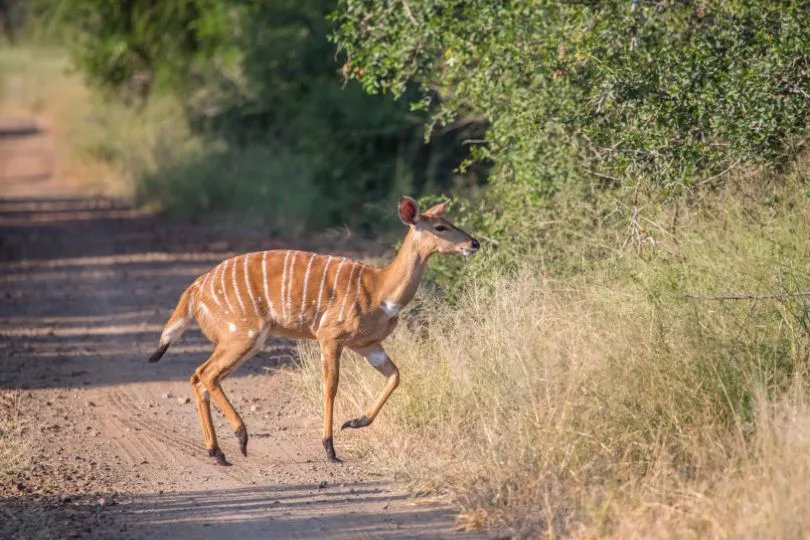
(585, 97)
(271, 190)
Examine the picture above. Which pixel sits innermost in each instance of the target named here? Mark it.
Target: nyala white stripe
(204, 282)
(250, 289)
(213, 287)
(323, 281)
(288, 300)
(346, 294)
(334, 291)
(224, 290)
(283, 287)
(272, 311)
(304, 292)
(357, 291)
(236, 285)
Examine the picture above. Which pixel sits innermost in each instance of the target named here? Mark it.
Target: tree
(668, 92)
(263, 75)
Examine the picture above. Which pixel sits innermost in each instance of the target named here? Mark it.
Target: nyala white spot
(232, 327)
(391, 308)
(377, 358)
(251, 333)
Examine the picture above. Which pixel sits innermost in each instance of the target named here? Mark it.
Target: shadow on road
(90, 281)
(364, 510)
(14, 129)
(301, 511)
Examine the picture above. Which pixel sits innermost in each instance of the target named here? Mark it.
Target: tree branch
(408, 13)
(773, 296)
(718, 175)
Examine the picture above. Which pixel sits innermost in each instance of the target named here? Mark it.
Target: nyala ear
(408, 211)
(437, 211)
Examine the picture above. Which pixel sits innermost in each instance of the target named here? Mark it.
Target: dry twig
(772, 296)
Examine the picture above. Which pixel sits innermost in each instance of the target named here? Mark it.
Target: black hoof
(242, 435)
(363, 421)
(220, 457)
(330, 450)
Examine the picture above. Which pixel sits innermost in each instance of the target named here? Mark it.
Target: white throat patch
(377, 358)
(391, 308)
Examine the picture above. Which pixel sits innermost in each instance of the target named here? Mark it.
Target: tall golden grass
(610, 404)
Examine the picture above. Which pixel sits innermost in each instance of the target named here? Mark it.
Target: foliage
(257, 180)
(668, 95)
(132, 46)
(261, 79)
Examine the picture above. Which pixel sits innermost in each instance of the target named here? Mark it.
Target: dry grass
(19, 517)
(15, 451)
(609, 404)
(761, 492)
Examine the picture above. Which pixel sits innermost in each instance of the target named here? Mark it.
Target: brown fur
(338, 302)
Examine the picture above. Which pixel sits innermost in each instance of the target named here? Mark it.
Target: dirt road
(85, 287)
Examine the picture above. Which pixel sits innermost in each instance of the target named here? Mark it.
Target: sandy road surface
(85, 287)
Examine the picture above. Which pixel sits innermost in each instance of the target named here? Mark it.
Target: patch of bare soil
(115, 446)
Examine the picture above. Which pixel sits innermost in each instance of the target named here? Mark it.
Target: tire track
(122, 403)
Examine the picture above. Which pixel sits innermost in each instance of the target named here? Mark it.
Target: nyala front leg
(376, 356)
(330, 366)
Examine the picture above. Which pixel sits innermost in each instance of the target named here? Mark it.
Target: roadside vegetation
(627, 357)
(15, 459)
(240, 109)
(107, 146)
(610, 403)
(14, 450)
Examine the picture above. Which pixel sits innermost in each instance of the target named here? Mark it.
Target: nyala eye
(440, 228)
